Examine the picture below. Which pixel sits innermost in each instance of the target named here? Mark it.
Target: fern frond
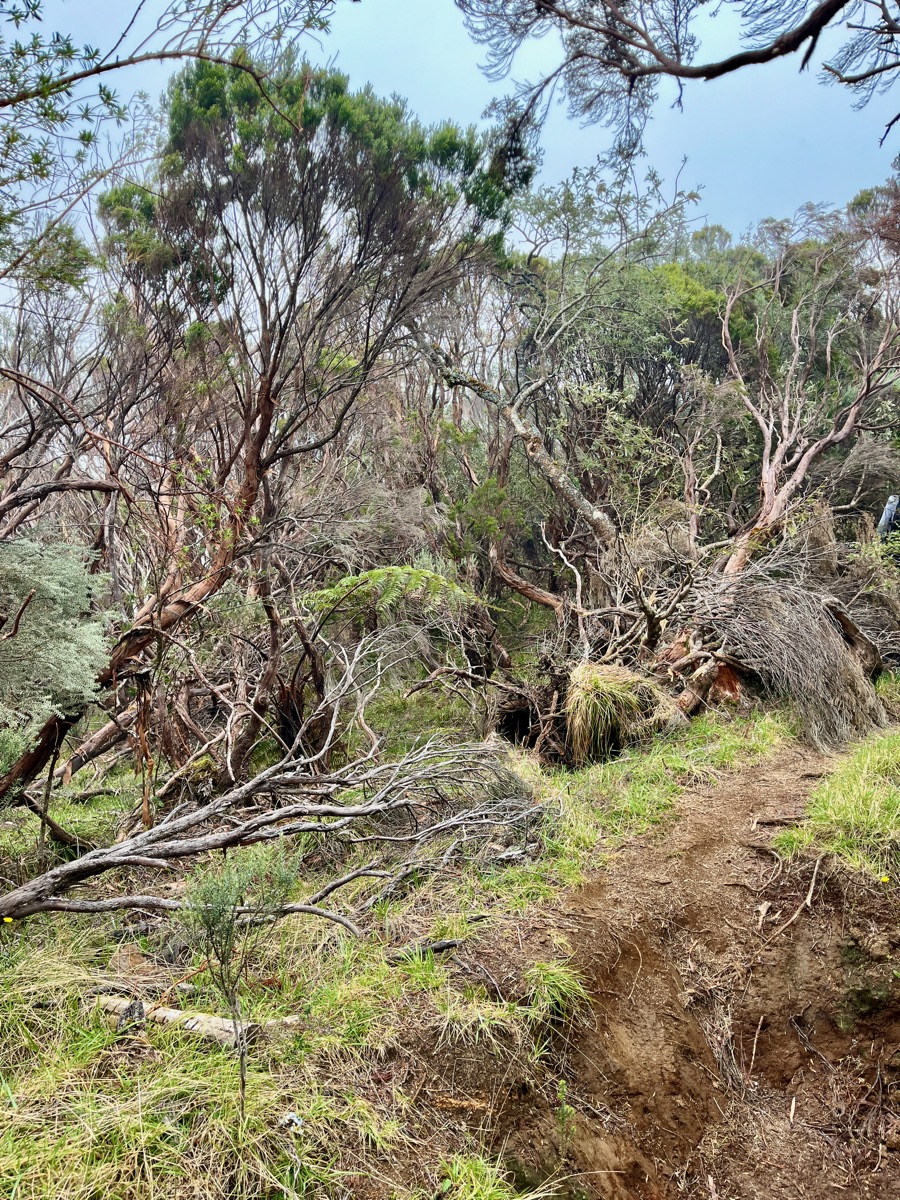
(389, 589)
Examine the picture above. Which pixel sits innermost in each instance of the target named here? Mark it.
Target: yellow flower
(7, 920)
(885, 879)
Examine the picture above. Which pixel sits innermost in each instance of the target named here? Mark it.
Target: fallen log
(216, 1029)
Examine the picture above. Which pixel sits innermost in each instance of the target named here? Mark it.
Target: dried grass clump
(609, 707)
(786, 634)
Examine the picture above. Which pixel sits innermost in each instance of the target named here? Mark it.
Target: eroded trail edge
(741, 1042)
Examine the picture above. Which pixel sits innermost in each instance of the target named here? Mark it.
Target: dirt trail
(733, 1053)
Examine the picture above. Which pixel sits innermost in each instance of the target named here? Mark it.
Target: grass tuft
(854, 814)
(556, 991)
(471, 1177)
(609, 707)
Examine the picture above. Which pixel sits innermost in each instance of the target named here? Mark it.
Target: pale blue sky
(761, 142)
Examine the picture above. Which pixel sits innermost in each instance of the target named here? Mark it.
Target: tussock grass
(608, 707)
(854, 813)
(556, 990)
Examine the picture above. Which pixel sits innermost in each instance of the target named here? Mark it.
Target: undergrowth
(87, 1112)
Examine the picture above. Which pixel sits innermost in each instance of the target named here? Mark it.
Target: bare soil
(743, 1043)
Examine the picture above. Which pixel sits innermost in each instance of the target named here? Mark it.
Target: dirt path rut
(735, 1050)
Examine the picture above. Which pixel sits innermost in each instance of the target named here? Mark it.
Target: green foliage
(129, 211)
(48, 138)
(50, 661)
(226, 908)
(211, 101)
(225, 913)
(58, 102)
(693, 295)
(403, 722)
(12, 743)
(227, 140)
(565, 1114)
(854, 814)
(484, 512)
(688, 296)
(556, 990)
(57, 258)
(389, 590)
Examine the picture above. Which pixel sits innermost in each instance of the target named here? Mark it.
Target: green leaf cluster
(388, 590)
(49, 663)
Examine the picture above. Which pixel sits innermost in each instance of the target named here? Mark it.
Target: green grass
(888, 688)
(854, 814)
(592, 811)
(474, 1020)
(85, 1114)
(124, 1128)
(472, 1177)
(96, 820)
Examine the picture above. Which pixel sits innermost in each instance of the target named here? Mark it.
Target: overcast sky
(761, 142)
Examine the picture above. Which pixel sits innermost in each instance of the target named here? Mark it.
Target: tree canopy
(613, 55)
